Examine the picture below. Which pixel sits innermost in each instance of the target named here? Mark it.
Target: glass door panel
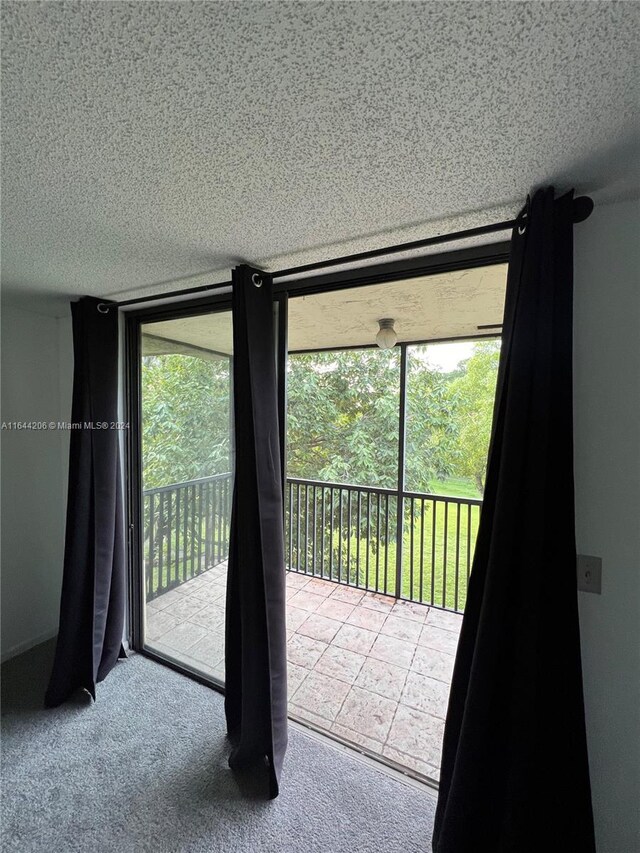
(187, 480)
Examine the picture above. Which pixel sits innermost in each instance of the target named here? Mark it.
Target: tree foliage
(431, 427)
(471, 397)
(185, 418)
(342, 420)
(343, 417)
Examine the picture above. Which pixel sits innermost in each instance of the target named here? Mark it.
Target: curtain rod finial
(582, 208)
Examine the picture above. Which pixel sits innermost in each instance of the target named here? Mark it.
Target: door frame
(283, 289)
(134, 320)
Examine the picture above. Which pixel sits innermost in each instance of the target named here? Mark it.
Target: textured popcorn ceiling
(145, 143)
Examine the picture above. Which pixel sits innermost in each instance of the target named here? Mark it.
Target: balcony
(374, 603)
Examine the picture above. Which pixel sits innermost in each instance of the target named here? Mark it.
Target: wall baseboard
(18, 649)
(14, 651)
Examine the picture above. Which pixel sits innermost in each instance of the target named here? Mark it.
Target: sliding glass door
(185, 442)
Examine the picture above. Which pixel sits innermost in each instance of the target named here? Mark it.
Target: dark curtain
(93, 585)
(514, 776)
(256, 652)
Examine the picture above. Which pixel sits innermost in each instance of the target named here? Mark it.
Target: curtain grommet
(102, 308)
(256, 280)
(522, 228)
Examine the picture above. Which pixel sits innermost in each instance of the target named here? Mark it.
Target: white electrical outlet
(589, 573)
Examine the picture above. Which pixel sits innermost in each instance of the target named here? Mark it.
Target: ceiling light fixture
(386, 337)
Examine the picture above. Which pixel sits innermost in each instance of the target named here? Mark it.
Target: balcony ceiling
(435, 307)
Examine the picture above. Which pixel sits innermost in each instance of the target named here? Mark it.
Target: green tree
(470, 402)
(185, 418)
(343, 418)
(431, 430)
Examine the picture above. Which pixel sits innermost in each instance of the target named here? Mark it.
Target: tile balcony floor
(371, 670)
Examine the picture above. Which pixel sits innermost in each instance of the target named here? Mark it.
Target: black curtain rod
(582, 207)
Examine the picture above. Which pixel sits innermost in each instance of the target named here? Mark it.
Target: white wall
(34, 473)
(607, 459)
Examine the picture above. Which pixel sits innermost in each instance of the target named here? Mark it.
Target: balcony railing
(349, 534)
(186, 531)
(343, 533)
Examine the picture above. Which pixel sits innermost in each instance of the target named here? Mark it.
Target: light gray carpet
(145, 769)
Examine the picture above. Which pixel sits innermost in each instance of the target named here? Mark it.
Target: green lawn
(436, 557)
(456, 487)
